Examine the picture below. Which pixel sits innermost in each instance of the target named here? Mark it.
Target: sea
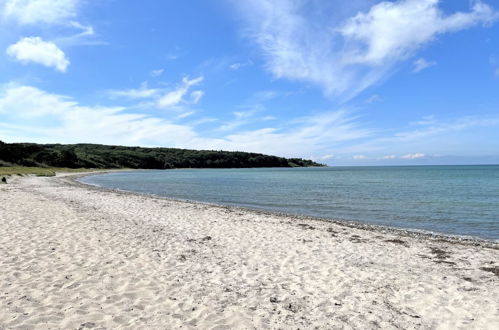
(452, 200)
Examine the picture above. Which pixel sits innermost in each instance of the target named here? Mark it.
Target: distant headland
(111, 157)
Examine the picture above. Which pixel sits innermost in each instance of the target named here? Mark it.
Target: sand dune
(73, 256)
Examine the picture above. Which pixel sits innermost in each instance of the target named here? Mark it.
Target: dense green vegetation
(103, 156)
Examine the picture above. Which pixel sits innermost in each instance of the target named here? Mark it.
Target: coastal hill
(106, 156)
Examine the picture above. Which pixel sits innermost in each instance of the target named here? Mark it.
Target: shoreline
(79, 256)
(406, 232)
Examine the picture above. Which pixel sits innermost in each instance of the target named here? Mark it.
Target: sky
(357, 82)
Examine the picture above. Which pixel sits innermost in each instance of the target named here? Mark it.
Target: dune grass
(40, 171)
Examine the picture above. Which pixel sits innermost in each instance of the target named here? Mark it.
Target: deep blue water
(457, 200)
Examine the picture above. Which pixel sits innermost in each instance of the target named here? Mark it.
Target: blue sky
(361, 82)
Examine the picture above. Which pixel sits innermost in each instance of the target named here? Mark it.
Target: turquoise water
(457, 200)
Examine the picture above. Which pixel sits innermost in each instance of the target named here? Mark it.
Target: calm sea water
(458, 200)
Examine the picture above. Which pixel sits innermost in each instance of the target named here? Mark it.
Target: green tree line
(106, 156)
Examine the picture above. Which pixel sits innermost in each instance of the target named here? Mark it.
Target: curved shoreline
(405, 232)
(78, 256)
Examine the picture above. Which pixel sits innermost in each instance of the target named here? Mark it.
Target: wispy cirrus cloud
(165, 98)
(65, 120)
(466, 135)
(31, 114)
(50, 15)
(241, 118)
(157, 72)
(317, 134)
(30, 12)
(239, 65)
(429, 126)
(196, 96)
(347, 55)
(420, 64)
(177, 96)
(82, 35)
(246, 112)
(36, 50)
(143, 92)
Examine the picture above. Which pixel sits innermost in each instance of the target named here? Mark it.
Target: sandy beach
(80, 257)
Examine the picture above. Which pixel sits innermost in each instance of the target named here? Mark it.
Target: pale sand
(72, 257)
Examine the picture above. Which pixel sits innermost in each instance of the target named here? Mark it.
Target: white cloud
(468, 135)
(412, 156)
(196, 96)
(348, 56)
(164, 98)
(315, 134)
(143, 92)
(171, 99)
(201, 121)
(39, 11)
(65, 120)
(408, 156)
(239, 65)
(31, 114)
(235, 66)
(175, 97)
(86, 30)
(421, 64)
(244, 114)
(326, 157)
(157, 72)
(185, 115)
(394, 30)
(302, 136)
(34, 49)
(241, 118)
(432, 127)
(248, 109)
(85, 36)
(425, 121)
(233, 124)
(30, 102)
(49, 13)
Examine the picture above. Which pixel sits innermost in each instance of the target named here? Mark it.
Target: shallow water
(457, 200)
